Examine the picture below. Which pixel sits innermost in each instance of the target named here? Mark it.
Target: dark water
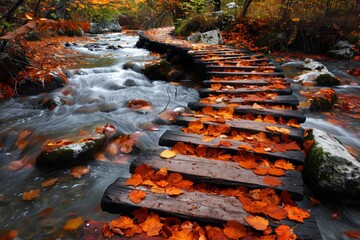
(97, 94)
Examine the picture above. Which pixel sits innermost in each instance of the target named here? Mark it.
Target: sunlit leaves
(234, 230)
(152, 225)
(168, 154)
(31, 194)
(137, 195)
(73, 224)
(257, 222)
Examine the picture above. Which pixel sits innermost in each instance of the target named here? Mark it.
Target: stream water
(97, 93)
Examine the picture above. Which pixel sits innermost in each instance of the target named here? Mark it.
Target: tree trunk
(12, 10)
(217, 4)
(245, 7)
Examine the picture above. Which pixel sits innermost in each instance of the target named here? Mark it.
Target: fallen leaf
(284, 131)
(49, 182)
(135, 180)
(296, 213)
(257, 222)
(174, 178)
(73, 224)
(225, 143)
(137, 195)
(136, 229)
(272, 181)
(284, 232)
(123, 222)
(352, 234)
(234, 230)
(152, 225)
(283, 164)
(314, 201)
(207, 138)
(78, 171)
(168, 154)
(107, 231)
(31, 194)
(173, 191)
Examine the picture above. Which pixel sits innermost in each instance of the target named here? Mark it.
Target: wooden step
(215, 51)
(229, 58)
(198, 169)
(285, 114)
(205, 92)
(246, 81)
(226, 54)
(170, 138)
(244, 68)
(231, 74)
(252, 62)
(287, 100)
(296, 134)
(198, 206)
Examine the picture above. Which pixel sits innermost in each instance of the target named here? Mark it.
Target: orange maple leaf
(234, 230)
(296, 213)
(31, 194)
(308, 144)
(135, 180)
(136, 229)
(145, 171)
(78, 171)
(152, 225)
(173, 191)
(272, 181)
(257, 222)
(284, 232)
(225, 143)
(283, 164)
(123, 222)
(174, 178)
(137, 195)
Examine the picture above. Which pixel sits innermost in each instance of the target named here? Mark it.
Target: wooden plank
(259, 82)
(250, 61)
(250, 127)
(227, 74)
(287, 100)
(226, 54)
(205, 92)
(196, 206)
(285, 114)
(244, 68)
(215, 51)
(229, 58)
(200, 169)
(170, 138)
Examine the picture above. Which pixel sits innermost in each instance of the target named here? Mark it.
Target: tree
(246, 6)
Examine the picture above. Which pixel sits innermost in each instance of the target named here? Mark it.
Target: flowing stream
(97, 93)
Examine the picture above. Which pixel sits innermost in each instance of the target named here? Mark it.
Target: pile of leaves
(261, 204)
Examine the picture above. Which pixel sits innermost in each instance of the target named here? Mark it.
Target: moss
(197, 23)
(327, 80)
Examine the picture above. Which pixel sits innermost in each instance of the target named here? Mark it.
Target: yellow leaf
(168, 154)
(73, 224)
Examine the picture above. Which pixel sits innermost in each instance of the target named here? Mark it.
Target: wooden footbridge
(259, 99)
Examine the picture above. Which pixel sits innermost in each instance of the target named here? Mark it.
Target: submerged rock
(316, 74)
(330, 170)
(62, 152)
(323, 100)
(136, 67)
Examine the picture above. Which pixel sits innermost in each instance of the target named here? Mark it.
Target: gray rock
(209, 37)
(29, 87)
(343, 49)
(105, 26)
(72, 153)
(136, 67)
(317, 74)
(330, 170)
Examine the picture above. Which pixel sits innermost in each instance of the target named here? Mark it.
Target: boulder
(209, 37)
(29, 87)
(323, 100)
(342, 49)
(105, 26)
(316, 74)
(64, 152)
(157, 70)
(136, 67)
(330, 170)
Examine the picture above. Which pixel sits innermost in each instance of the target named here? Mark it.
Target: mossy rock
(157, 70)
(327, 80)
(323, 100)
(72, 153)
(330, 171)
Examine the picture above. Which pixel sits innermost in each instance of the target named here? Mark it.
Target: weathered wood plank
(227, 74)
(170, 138)
(226, 54)
(200, 169)
(229, 58)
(216, 51)
(205, 92)
(285, 114)
(287, 100)
(250, 127)
(254, 62)
(244, 68)
(201, 207)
